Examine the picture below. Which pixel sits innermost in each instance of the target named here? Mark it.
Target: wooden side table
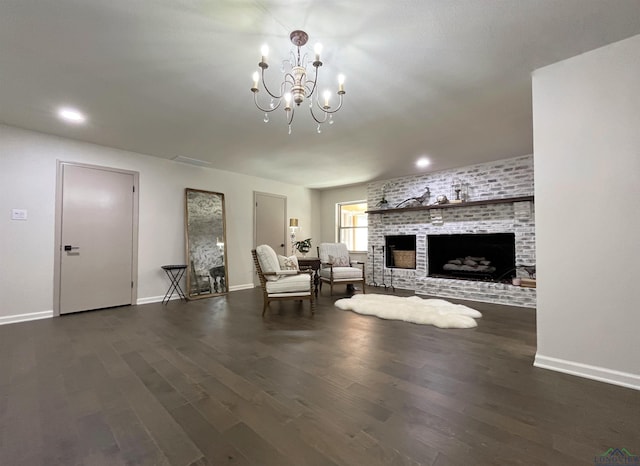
(311, 263)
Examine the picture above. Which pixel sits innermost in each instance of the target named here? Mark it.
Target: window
(352, 225)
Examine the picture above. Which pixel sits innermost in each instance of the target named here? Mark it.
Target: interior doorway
(96, 238)
(270, 221)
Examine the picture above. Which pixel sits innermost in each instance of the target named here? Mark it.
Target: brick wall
(494, 180)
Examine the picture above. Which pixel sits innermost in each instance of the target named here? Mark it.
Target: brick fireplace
(505, 179)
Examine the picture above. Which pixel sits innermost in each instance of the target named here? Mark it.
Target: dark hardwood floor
(212, 382)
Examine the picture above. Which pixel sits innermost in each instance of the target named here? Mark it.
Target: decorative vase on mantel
(384, 204)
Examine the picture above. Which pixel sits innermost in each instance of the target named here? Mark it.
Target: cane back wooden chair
(278, 284)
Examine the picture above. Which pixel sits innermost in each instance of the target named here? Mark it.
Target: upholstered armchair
(280, 284)
(336, 267)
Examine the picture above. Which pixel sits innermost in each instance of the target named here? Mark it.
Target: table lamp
(293, 226)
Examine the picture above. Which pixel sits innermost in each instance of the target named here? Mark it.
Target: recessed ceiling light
(423, 162)
(71, 115)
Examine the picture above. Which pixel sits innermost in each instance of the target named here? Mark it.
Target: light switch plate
(18, 214)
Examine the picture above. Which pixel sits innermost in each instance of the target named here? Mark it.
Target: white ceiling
(449, 79)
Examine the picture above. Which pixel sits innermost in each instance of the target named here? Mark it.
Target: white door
(270, 224)
(97, 238)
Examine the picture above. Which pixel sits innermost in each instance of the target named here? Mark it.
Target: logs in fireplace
(469, 264)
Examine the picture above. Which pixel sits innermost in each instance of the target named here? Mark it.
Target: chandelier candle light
(296, 85)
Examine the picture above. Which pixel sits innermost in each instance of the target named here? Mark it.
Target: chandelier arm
(266, 110)
(308, 89)
(291, 115)
(315, 82)
(289, 78)
(264, 83)
(326, 110)
(315, 118)
(283, 87)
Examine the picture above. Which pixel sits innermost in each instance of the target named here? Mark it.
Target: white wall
(586, 120)
(27, 181)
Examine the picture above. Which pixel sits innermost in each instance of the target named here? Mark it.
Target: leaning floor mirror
(205, 242)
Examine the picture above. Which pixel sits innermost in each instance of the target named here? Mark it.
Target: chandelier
(296, 85)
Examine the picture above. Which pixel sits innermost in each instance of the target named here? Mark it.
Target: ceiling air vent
(190, 161)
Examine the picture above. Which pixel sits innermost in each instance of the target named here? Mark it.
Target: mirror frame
(214, 280)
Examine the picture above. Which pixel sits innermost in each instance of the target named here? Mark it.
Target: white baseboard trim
(246, 286)
(154, 299)
(601, 374)
(158, 299)
(49, 314)
(25, 317)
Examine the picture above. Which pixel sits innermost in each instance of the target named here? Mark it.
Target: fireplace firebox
(482, 256)
(400, 251)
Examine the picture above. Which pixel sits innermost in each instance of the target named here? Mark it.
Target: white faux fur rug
(436, 312)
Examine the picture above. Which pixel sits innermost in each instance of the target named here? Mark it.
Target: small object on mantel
(528, 282)
(420, 199)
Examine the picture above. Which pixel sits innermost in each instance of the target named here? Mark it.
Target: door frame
(57, 246)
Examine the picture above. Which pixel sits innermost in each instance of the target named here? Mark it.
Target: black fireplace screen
(483, 256)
